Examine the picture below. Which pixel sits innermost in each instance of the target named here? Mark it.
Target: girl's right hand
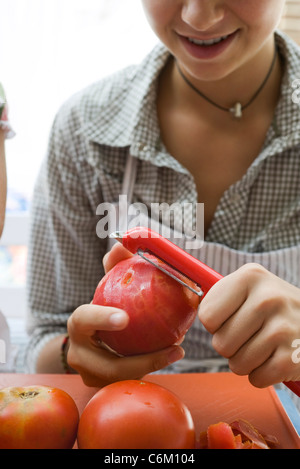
(96, 363)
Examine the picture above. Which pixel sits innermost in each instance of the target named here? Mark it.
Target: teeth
(209, 42)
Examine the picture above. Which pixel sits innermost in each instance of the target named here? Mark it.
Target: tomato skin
(240, 434)
(37, 417)
(135, 414)
(160, 309)
(221, 436)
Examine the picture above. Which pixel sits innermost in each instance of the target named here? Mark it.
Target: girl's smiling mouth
(207, 48)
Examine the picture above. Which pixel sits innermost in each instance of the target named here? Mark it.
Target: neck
(238, 86)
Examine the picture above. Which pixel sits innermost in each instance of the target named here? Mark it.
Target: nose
(202, 15)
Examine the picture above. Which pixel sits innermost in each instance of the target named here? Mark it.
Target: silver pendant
(237, 110)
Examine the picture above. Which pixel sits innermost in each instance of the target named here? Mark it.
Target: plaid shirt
(91, 138)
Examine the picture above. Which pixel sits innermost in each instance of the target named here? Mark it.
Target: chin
(209, 73)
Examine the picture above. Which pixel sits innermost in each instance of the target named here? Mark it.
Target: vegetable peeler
(140, 240)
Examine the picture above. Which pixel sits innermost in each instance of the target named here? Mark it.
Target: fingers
(274, 370)
(266, 357)
(138, 366)
(254, 318)
(115, 255)
(101, 367)
(237, 330)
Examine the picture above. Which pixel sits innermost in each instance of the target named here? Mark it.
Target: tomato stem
(29, 394)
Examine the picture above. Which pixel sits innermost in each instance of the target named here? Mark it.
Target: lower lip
(207, 52)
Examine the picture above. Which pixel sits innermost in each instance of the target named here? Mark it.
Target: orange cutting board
(210, 397)
(225, 397)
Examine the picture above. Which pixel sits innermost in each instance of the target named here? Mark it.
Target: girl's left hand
(254, 318)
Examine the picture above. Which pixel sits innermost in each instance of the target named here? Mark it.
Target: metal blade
(198, 293)
(118, 235)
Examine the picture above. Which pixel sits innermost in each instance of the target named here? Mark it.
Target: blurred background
(50, 49)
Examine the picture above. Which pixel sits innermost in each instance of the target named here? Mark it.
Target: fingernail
(118, 319)
(176, 353)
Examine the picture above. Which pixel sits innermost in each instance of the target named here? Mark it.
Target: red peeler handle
(294, 386)
(148, 240)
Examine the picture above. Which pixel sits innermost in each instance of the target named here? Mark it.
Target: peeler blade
(198, 293)
(118, 236)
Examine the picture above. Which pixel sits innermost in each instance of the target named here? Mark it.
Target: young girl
(207, 117)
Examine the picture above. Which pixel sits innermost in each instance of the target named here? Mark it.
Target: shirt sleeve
(65, 254)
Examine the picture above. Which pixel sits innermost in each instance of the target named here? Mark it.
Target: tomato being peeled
(160, 309)
(37, 417)
(135, 414)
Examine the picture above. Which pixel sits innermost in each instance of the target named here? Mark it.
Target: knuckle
(258, 380)
(252, 270)
(271, 302)
(279, 331)
(238, 365)
(237, 368)
(282, 366)
(220, 346)
(206, 318)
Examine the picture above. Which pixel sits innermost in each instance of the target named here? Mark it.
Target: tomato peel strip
(240, 434)
(250, 433)
(221, 436)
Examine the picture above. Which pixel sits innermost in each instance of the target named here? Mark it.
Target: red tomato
(135, 415)
(160, 309)
(37, 417)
